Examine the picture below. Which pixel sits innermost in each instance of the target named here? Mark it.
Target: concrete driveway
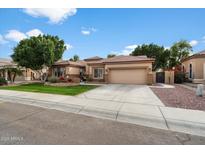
(137, 94)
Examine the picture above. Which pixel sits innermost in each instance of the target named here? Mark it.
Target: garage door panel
(128, 76)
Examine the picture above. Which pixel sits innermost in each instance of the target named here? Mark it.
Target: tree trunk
(41, 75)
(14, 76)
(45, 78)
(9, 76)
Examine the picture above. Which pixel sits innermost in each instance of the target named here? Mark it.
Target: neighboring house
(68, 69)
(28, 74)
(119, 69)
(194, 66)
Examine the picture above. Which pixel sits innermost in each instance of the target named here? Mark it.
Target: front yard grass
(41, 88)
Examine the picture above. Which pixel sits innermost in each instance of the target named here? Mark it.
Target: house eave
(129, 62)
(193, 57)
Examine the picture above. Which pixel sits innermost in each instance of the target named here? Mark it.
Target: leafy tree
(75, 58)
(179, 51)
(38, 52)
(59, 46)
(111, 55)
(159, 53)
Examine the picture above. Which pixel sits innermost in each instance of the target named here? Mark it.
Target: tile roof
(98, 60)
(122, 58)
(200, 54)
(93, 58)
(101, 61)
(68, 62)
(6, 62)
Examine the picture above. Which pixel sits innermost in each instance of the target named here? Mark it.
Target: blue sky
(90, 32)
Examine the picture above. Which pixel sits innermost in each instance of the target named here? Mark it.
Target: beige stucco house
(194, 66)
(119, 69)
(68, 69)
(28, 74)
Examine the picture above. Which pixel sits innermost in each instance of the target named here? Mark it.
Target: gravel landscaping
(180, 97)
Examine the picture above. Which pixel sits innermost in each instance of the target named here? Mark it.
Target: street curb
(99, 113)
(186, 127)
(178, 125)
(139, 119)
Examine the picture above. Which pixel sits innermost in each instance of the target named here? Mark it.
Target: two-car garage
(128, 75)
(121, 69)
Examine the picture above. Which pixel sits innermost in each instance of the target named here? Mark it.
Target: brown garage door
(128, 76)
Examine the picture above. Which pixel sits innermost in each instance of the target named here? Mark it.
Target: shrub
(53, 79)
(70, 80)
(179, 77)
(2, 81)
(61, 78)
(89, 79)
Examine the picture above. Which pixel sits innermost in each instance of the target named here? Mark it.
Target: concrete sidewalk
(156, 116)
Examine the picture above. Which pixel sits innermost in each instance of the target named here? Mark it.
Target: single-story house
(28, 74)
(68, 69)
(194, 66)
(118, 69)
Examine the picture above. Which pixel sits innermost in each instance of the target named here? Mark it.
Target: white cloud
(2, 40)
(193, 43)
(93, 29)
(203, 39)
(131, 47)
(55, 15)
(15, 35)
(34, 32)
(68, 46)
(88, 31)
(85, 32)
(126, 51)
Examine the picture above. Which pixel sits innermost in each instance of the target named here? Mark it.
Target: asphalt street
(24, 124)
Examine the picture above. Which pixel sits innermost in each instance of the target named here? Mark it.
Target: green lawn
(38, 87)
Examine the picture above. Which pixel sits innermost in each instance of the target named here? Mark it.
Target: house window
(98, 73)
(190, 71)
(59, 71)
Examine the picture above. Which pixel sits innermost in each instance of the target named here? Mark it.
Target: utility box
(199, 90)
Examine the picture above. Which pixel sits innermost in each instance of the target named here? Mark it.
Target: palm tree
(16, 72)
(12, 72)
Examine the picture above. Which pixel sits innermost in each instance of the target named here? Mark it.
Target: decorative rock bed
(180, 97)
